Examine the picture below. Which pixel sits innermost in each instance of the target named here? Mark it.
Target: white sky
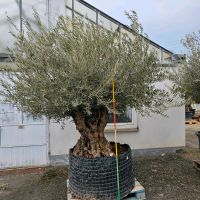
(165, 21)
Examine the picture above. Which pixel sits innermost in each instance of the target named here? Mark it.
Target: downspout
(48, 120)
(49, 137)
(20, 14)
(48, 13)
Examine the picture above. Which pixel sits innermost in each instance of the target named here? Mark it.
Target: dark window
(124, 117)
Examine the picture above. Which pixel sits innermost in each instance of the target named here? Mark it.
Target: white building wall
(157, 131)
(61, 140)
(11, 9)
(153, 132)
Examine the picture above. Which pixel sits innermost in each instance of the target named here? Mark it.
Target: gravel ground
(167, 177)
(170, 177)
(48, 185)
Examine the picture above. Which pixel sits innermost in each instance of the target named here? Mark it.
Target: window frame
(125, 126)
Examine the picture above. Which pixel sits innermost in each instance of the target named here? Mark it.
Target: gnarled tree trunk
(92, 142)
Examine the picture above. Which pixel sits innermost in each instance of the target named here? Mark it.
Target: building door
(23, 138)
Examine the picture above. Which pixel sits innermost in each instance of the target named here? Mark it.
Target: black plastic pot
(98, 177)
(198, 135)
(193, 112)
(188, 115)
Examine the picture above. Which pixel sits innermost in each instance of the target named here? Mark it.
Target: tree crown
(70, 67)
(187, 78)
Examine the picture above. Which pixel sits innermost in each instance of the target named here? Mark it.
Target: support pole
(116, 146)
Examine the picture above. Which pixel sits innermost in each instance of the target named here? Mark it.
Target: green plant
(66, 71)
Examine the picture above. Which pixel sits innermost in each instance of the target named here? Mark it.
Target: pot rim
(102, 157)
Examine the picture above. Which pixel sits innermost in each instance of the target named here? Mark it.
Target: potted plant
(187, 78)
(67, 71)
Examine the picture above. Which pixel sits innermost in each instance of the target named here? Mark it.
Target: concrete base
(154, 151)
(138, 193)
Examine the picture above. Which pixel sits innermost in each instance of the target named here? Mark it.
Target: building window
(125, 117)
(5, 57)
(126, 121)
(68, 13)
(10, 115)
(84, 11)
(106, 23)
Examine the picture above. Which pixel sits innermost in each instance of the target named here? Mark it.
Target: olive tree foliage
(67, 71)
(187, 78)
(73, 64)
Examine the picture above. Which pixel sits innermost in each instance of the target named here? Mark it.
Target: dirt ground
(167, 177)
(49, 184)
(191, 138)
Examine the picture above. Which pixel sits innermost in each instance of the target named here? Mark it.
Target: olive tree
(67, 71)
(187, 78)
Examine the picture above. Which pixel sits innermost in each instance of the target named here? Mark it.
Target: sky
(165, 21)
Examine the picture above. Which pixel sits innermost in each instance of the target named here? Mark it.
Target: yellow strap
(115, 129)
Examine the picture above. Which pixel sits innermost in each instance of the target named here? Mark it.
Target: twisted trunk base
(92, 142)
(92, 148)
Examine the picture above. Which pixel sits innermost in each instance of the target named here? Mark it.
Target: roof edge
(124, 26)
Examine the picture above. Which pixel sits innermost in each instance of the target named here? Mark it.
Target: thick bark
(92, 142)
